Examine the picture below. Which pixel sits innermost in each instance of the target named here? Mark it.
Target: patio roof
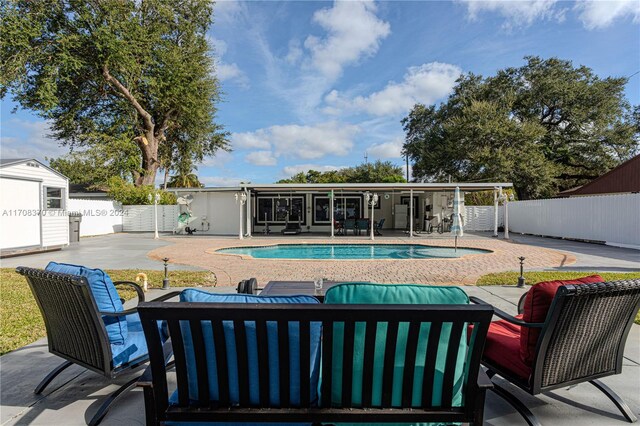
(310, 187)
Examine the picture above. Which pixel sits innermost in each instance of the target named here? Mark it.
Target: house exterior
(33, 203)
(220, 210)
(624, 179)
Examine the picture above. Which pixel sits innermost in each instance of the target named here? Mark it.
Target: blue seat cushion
(134, 347)
(105, 295)
(195, 295)
(367, 293)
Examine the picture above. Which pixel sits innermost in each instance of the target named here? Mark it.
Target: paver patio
(229, 269)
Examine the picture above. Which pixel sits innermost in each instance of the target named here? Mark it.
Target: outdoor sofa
(282, 359)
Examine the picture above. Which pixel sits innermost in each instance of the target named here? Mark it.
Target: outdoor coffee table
(288, 288)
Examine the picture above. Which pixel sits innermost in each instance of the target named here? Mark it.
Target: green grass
(511, 278)
(20, 319)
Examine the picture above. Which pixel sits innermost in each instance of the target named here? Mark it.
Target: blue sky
(319, 84)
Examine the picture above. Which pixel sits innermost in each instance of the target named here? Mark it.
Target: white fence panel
(140, 218)
(99, 217)
(480, 218)
(613, 219)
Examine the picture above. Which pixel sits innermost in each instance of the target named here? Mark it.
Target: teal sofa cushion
(105, 295)
(195, 295)
(367, 293)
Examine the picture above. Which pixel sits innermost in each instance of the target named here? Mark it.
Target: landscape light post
(165, 280)
(521, 277)
(155, 199)
(372, 200)
(241, 199)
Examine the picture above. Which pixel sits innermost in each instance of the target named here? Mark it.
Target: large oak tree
(545, 126)
(125, 73)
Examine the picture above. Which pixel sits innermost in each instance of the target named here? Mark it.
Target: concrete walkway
(75, 395)
(115, 251)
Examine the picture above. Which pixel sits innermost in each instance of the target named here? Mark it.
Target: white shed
(33, 203)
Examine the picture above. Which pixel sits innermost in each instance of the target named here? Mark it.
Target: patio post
(411, 213)
(506, 216)
(241, 199)
(495, 212)
(249, 213)
(331, 213)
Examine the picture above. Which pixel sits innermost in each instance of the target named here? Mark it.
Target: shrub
(129, 194)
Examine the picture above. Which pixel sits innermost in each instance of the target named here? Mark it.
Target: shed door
(19, 213)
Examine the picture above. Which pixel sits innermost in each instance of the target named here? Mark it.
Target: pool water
(351, 251)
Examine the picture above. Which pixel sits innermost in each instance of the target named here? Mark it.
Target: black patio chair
(349, 225)
(378, 226)
(76, 330)
(581, 340)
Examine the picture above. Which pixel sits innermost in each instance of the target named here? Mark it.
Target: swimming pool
(351, 251)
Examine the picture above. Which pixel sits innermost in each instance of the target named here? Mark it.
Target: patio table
(287, 288)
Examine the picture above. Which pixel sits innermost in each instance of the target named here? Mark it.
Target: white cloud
(422, 84)
(353, 32)
(261, 158)
(517, 13)
(289, 171)
(251, 140)
(227, 11)
(225, 71)
(386, 150)
(295, 52)
(601, 14)
(299, 141)
(32, 140)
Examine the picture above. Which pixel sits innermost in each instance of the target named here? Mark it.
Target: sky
(322, 85)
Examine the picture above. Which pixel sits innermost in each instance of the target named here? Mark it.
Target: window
(343, 208)
(53, 198)
(274, 209)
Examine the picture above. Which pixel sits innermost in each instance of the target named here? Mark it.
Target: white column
(411, 213)
(506, 217)
(249, 214)
(495, 212)
(373, 206)
(331, 212)
(240, 207)
(155, 217)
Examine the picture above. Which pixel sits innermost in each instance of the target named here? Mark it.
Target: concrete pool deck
(75, 395)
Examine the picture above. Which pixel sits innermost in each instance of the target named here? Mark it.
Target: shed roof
(622, 179)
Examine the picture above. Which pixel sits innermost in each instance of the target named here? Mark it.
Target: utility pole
(366, 158)
(407, 158)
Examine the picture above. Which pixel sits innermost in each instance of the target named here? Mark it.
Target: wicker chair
(581, 340)
(76, 330)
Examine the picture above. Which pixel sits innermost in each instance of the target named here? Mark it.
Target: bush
(129, 194)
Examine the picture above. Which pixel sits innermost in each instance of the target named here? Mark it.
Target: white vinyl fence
(613, 219)
(99, 217)
(140, 218)
(480, 218)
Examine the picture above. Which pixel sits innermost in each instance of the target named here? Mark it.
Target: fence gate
(140, 218)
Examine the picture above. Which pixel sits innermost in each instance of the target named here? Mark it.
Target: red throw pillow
(536, 307)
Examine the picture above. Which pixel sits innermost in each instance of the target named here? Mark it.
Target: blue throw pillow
(105, 295)
(195, 295)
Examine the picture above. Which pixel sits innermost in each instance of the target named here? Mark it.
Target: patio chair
(338, 227)
(349, 224)
(87, 325)
(378, 226)
(580, 339)
(363, 225)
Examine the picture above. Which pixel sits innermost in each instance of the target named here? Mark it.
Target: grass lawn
(511, 278)
(20, 319)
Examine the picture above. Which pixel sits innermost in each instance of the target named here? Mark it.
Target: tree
(185, 178)
(378, 172)
(545, 126)
(127, 74)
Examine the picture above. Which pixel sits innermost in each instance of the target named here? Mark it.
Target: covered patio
(331, 210)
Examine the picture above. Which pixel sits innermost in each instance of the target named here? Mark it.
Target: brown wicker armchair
(581, 340)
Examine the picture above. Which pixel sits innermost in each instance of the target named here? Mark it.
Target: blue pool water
(351, 251)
